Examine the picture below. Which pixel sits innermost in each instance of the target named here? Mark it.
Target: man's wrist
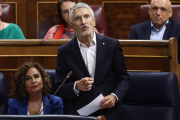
(75, 90)
(76, 85)
(115, 97)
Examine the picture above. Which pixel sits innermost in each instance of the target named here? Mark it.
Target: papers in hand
(91, 107)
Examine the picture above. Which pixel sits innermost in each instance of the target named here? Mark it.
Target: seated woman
(32, 86)
(9, 30)
(64, 30)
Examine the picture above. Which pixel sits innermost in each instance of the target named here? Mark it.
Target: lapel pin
(103, 43)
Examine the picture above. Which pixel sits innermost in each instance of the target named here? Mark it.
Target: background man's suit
(110, 66)
(143, 31)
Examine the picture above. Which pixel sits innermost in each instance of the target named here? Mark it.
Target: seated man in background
(98, 67)
(160, 27)
(9, 30)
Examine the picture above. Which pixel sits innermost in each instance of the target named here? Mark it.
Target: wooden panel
(120, 16)
(89, 2)
(46, 17)
(159, 51)
(175, 2)
(47, 62)
(99, 2)
(147, 64)
(12, 62)
(28, 50)
(32, 17)
(22, 16)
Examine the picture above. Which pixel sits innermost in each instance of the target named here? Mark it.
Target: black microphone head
(69, 74)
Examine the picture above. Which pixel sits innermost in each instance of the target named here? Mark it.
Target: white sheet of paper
(91, 107)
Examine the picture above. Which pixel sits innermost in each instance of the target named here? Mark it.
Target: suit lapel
(167, 32)
(24, 108)
(100, 53)
(47, 110)
(77, 55)
(147, 30)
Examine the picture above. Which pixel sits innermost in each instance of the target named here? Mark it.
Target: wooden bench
(140, 55)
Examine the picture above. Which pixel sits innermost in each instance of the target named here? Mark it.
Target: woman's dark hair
(59, 9)
(19, 80)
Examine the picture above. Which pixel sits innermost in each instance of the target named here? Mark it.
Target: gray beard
(84, 35)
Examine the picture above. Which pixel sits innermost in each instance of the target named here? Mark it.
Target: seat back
(3, 94)
(143, 14)
(52, 75)
(151, 96)
(99, 14)
(7, 14)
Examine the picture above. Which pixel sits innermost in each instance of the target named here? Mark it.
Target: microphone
(68, 75)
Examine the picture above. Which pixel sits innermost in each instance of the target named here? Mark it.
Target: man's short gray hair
(168, 0)
(79, 5)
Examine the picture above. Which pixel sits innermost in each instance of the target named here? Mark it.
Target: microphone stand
(69, 74)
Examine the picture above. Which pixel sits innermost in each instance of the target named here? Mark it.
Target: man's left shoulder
(174, 23)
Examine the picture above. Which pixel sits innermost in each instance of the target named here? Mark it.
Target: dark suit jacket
(110, 73)
(143, 31)
(20, 107)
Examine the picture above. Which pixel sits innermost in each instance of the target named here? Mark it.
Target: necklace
(2, 29)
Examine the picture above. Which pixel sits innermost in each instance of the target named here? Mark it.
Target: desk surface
(50, 117)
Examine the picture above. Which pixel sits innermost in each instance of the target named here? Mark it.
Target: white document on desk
(91, 107)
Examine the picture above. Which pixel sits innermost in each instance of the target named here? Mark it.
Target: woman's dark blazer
(20, 107)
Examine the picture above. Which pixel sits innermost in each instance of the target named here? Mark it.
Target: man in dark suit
(160, 27)
(98, 67)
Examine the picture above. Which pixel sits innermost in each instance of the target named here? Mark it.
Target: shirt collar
(93, 41)
(153, 27)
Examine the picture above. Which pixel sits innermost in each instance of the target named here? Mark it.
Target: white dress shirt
(157, 34)
(89, 56)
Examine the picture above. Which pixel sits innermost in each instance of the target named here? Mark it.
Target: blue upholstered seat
(3, 94)
(151, 96)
